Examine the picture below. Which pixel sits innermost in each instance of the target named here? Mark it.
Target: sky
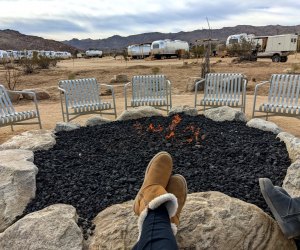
(98, 19)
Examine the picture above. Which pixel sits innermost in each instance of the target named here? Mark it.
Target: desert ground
(179, 72)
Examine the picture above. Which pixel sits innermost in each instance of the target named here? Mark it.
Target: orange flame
(170, 135)
(153, 129)
(175, 121)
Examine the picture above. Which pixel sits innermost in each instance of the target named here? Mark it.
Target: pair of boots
(285, 209)
(158, 188)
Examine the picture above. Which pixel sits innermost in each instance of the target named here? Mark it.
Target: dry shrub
(155, 70)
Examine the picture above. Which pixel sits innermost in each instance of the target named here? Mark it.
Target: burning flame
(192, 131)
(175, 121)
(153, 129)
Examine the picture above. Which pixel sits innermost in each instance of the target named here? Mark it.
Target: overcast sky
(67, 19)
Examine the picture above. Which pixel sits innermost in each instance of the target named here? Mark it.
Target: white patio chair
(82, 96)
(283, 97)
(149, 90)
(223, 89)
(10, 117)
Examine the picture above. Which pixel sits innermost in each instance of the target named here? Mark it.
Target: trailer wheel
(283, 59)
(276, 58)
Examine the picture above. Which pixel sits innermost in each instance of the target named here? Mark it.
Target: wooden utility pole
(205, 66)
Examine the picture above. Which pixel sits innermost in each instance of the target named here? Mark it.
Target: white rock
(264, 125)
(96, 120)
(187, 110)
(292, 145)
(139, 112)
(17, 184)
(225, 113)
(209, 220)
(53, 228)
(31, 140)
(66, 126)
(291, 181)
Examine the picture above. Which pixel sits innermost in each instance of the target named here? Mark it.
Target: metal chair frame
(223, 89)
(83, 97)
(149, 90)
(8, 112)
(283, 97)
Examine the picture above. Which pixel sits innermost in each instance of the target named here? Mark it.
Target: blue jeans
(156, 231)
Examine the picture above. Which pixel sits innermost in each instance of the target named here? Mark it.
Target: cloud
(64, 19)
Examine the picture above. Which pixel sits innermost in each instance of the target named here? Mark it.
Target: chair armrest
(127, 84)
(197, 83)
(107, 85)
(24, 92)
(259, 85)
(61, 89)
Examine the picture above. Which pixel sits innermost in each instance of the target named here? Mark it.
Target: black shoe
(285, 209)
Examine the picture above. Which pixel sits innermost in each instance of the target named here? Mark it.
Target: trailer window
(156, 46)
(293, 40)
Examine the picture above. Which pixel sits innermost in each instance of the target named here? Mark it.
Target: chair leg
(12, 128)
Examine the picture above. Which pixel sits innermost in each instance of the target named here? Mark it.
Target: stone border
(45, 139)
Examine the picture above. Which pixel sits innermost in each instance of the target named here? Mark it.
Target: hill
(14, 40)
(119, 42)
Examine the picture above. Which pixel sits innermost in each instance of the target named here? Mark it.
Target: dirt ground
(177, 71)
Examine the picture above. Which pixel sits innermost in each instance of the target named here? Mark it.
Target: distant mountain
(119, 42)
(14, 40)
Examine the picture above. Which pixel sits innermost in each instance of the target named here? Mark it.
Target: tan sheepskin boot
(177, 186)
(153, 192)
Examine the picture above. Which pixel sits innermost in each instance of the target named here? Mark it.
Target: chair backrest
(81, 91)
(149, 87)
(6, 106)
(223, 85)
(284, 90)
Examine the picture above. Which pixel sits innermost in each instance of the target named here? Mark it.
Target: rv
(238, 38)
(3, 55)
(167, 48)
(136, 51)
(93, 53)
(275, 47)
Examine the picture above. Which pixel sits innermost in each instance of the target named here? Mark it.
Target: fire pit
(92, 168)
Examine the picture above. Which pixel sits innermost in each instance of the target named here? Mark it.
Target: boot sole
(149, 164)
(273, 209)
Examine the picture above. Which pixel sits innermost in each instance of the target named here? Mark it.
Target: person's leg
(286, 210)
(153, 201)
(156, 231)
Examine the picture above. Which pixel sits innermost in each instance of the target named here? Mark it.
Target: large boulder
(17, 184)
(119, 78)
(66, 126)
(264, 125)
(96, 120)
(53, 228)
(31, 140)
(40, 94)
(187, 110)
(139, 112)
(291, 181)
(292, 145)
(209, 220)
(225, 113)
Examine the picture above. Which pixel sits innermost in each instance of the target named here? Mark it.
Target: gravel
(93, 168)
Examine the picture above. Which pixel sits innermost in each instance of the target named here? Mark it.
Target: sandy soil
(178, 71)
